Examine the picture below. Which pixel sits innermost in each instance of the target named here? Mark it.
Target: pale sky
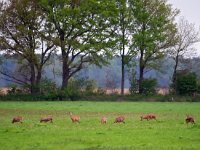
(190, 9)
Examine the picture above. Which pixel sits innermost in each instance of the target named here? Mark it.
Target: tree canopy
(154, 28)
(85, 33)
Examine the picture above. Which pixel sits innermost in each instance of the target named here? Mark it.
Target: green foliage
(100, 95)
(198, 86)
(101, 91)
(133, 82)
(13, 89)
(90, 86)
(154, 29)
(47, 86)
(84, 33)
(77, 88)
(149, 86)
(23, 35)
(72, 91)
(150, 27)
(186, 84)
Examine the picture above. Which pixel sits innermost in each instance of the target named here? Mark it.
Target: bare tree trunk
(38, 80)
(141, 76)
(122, 79)
(142, 62)
(123, 63)
(123, 54)
(174, 72)
(32, 79)
(65, 69)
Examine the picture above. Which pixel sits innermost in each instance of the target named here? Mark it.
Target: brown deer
(189, 119)
(103, 120)
(119, 119)
(74, 118)
(148, 117)
(46, 119)
(17, 119)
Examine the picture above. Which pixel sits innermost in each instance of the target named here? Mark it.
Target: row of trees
(88, 32)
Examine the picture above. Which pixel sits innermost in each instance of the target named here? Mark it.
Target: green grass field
(167, 133)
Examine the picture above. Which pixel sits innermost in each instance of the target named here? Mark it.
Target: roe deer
(74, 118)
(17, 119)
(103, 120)
(120, 119)
(148, 117)
(47, 119)
(189, 119)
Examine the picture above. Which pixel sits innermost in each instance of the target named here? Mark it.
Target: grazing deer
(103, 120)
(148, 117)
(152, 116)
(17, 119)
(47, 119)
(189, 119)
(119, 119)
(74, 118)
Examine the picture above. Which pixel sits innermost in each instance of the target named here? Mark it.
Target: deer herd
(119, 119)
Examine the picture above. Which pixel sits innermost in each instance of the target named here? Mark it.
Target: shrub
(198, 86)
(47, 86)
(186, 84)
(149, 86)
(90, 86)
(101, 91)
(133, 82)
(72, 92)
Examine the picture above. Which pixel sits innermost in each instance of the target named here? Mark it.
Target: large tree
(186, 37)
(153, 32)
(84, 31)
(125, 20)
(23, 34)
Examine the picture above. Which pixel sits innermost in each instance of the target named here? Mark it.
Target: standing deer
(74, 118)
(103, 120)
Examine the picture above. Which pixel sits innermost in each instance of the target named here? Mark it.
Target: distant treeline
(53, 72)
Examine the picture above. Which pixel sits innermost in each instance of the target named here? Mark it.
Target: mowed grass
(167, 133)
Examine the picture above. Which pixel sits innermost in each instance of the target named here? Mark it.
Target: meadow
(169, 131)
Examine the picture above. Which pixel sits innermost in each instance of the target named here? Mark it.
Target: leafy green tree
(23, 34)
(154, 30)
(83, 30)
(149, 86)
(125, 18)
(186, 83)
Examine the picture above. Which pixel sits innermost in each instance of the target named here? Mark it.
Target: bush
(186, 84)
(47, 86)
(133, 82)
(90, 86)
(149, 86)
(72, 92)
(198, 86)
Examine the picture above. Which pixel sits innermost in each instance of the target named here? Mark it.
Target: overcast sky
(190, 9)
